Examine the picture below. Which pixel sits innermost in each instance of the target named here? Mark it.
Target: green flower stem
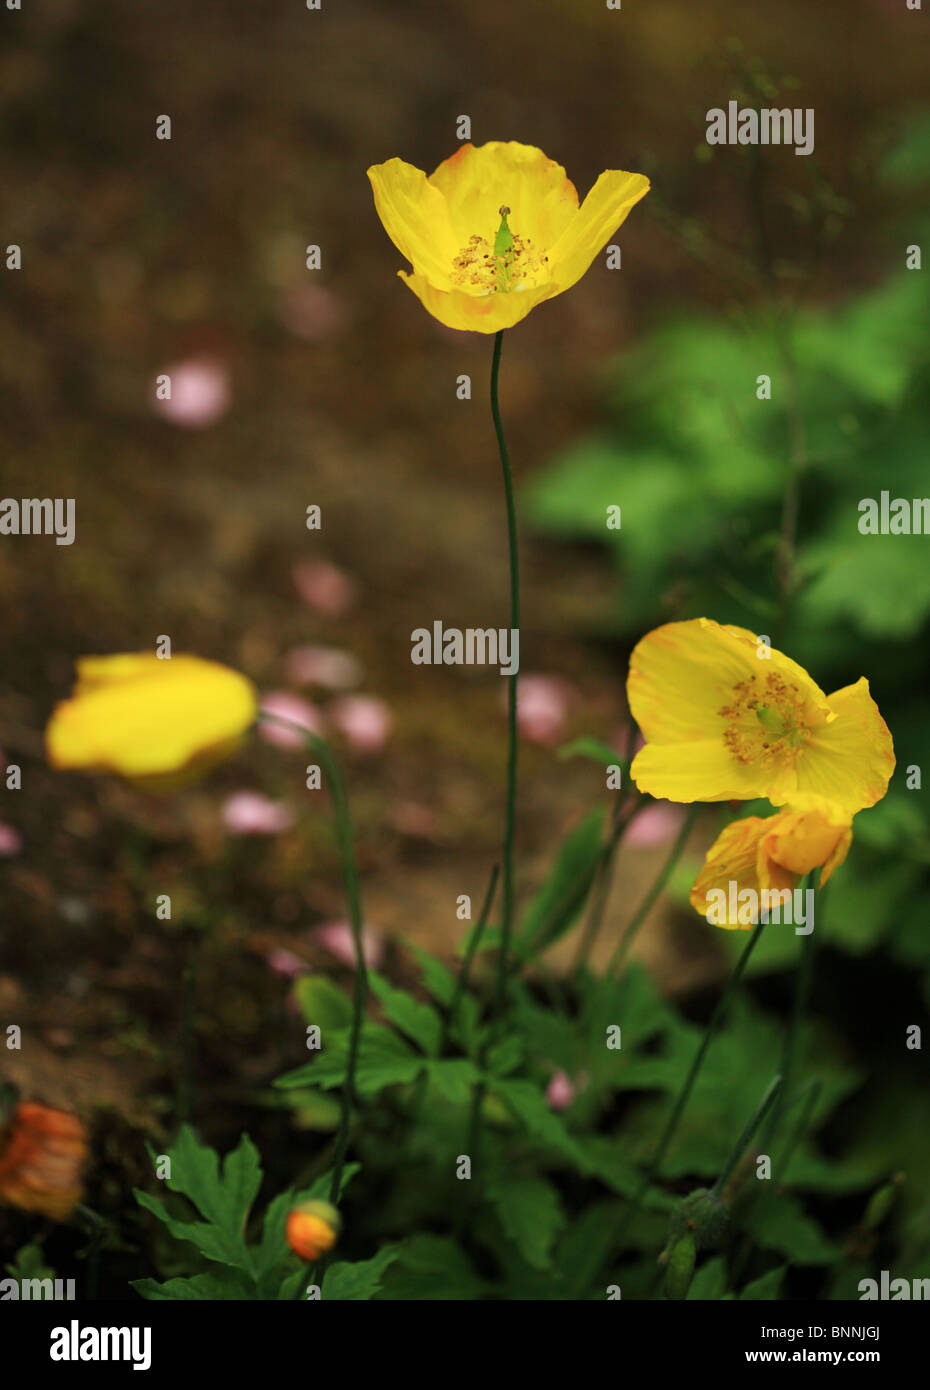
(188, 995)
(474, 942)
(473, 1140)
(461, 985)
(762, 1109)
(606, 863)
(673, 1120)
(803, 982)
(811, 1095)
(510, 821)
(645, 907)
(345, 839)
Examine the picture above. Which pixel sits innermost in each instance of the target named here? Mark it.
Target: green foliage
(555, 907)
(564, 1203)
(242, 1268)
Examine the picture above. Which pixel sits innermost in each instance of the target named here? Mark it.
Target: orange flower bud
(312, 1229)
(42, 1152)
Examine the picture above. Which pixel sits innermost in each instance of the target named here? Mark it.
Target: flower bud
(312, 1229)
(703, 1215)
(680, 1269)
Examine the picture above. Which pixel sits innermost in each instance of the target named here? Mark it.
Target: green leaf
(531, 1214)
(223, 1196)
(593, 749)
(431, 1268)
(214, 1285)
(357, 1282)
(323, 1003)
(420, 1022)
(438, 982)
(710, 1281)
(585, 1248)
(767, 1286)
(778, 1222)
(384, 1060)
(212, 1241)
(529, 1105)
(454, 1078)
(558, 902)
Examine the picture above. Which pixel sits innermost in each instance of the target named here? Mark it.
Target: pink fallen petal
(251, 813)
(325, 666)
(295, 710)
(285, 962)
(336, 938)
(560, 1092)
(543, 704)
(200, 393)
(11, 842)
(311, 312)
(365, 720)
(654, 826)
(324, 588)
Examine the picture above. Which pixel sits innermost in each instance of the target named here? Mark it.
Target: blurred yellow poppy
(152, 720)
(496, 229)
(771, 854)
(726, 717)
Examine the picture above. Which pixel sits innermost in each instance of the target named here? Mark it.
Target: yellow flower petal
(603, 211)
(851, 759)
(725, 716)
(150, 719)
(480, 179)
(695, 771)
(680, 675)
(447, 227)
(767, 855)
(811, 833)
(416, 218)
(487, 313)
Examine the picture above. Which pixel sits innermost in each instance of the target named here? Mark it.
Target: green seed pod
(680, 1269)
(703, 1215)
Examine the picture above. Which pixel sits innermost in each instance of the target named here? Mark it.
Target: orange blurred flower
(42, 1152)
(312, 1229)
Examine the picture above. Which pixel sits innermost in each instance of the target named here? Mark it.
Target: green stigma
(504, 239)
(770, 721)
(503, 247)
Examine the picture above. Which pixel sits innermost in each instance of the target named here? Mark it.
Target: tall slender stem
(510, 820)
(474, 941)
(671, 1125)
(642, 912)
(802, 990)
(742, 1143)
(345, 838)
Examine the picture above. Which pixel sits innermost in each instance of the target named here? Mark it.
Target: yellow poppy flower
(496, 229)
(770, 854)
(725, 717)
(150, 719)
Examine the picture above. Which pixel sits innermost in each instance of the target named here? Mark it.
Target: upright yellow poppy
(725, 717)
(148, 719)
(771, 854)
(496, 229)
